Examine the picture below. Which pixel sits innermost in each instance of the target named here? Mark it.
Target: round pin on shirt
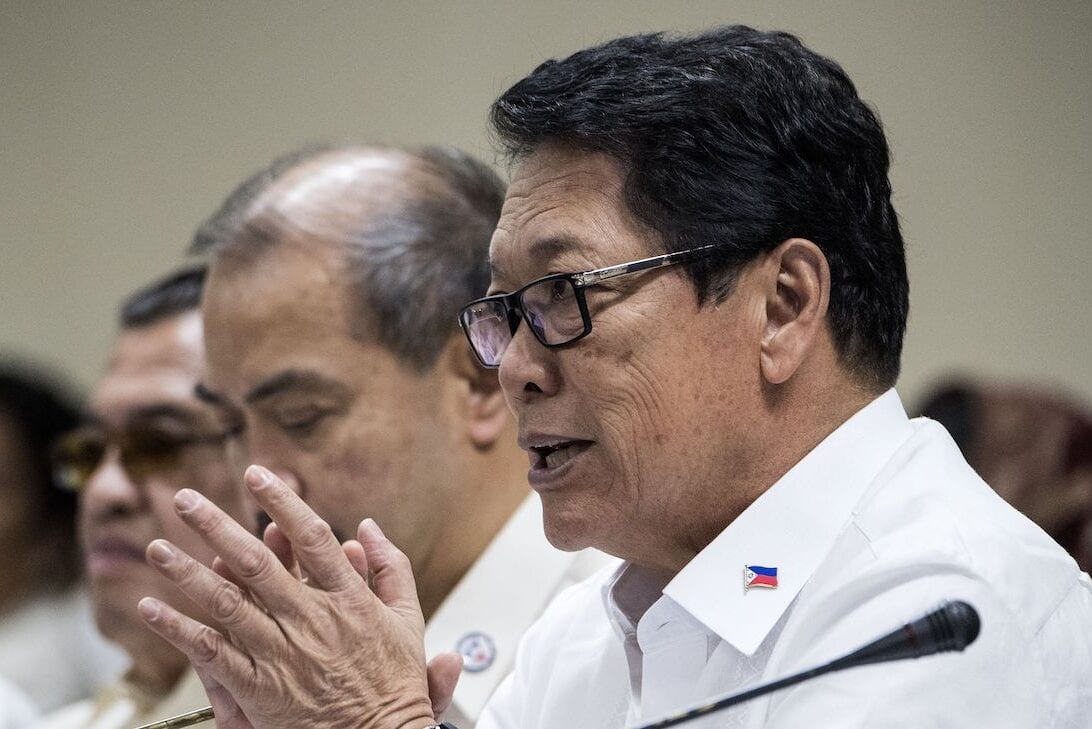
(478, 652)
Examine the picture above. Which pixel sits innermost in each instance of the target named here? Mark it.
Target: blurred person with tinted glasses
(147, 437)
(49, 649)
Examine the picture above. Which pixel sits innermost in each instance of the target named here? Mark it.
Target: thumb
(227, 713)
(443, 674)
(392, 575)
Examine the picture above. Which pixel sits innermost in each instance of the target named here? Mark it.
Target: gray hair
(409, 266)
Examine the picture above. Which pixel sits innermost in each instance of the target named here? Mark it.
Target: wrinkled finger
(443, 673)
(205, 648)
(313, 542)
(224, 600)
(392, 575)
(243, 553)
(279, 545)
(355, 554)
(220, 567)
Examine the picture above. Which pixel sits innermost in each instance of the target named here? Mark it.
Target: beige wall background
(123, 124)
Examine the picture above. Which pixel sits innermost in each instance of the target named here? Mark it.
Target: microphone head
(956, 625)
(951, 627)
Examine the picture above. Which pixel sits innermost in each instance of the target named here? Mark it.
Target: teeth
(560, 456)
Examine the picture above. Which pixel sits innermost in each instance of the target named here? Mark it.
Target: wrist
(421, 721)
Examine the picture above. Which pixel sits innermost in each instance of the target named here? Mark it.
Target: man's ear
(797, 296)
(481, 405)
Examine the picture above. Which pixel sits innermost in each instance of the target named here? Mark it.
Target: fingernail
(258, 476)
(373, 529)
(148, 609)
(185, 500)
(160, 553)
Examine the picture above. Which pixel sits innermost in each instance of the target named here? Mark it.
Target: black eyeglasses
(142, 452)
(553, 306)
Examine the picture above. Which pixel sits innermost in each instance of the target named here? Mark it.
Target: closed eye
(303, 422)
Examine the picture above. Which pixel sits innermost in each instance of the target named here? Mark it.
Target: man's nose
(263, 446)
(528, 369)
(110, 490)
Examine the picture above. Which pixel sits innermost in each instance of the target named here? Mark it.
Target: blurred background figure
(147, 436)
(1032, 445)
(49, 648)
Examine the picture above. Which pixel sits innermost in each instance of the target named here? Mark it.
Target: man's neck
(792, 431)
(153, 680)
(495, 488)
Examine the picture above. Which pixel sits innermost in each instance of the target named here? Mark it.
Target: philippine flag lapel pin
(757, 576)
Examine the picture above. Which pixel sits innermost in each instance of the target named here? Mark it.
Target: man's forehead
(259, 313)
(558, 173)
(122, 397)
(152, 364)
(167, 349)
(557, 193)
(272, 276)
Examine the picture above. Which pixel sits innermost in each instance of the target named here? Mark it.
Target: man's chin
(568, 530)
(117, 618)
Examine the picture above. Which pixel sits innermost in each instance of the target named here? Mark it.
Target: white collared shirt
(15, 709)
(875, 527)
(502, 594)
(122, 705)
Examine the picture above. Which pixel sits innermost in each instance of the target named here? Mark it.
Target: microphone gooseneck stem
(182, 720)
(727, 701)
(952, 627)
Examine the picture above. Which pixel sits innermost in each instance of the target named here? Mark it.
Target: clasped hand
(343, 648)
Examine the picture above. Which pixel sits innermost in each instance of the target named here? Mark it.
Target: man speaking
(697, 308)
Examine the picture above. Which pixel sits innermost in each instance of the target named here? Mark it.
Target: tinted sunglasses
(143, 452)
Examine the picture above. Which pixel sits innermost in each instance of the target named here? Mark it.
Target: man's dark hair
(743, 138)
(40, 412)
(171, 295)
(409, 267)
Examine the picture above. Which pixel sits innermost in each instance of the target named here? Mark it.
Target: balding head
(412, 229)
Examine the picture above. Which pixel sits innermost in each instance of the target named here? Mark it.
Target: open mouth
(556, 455)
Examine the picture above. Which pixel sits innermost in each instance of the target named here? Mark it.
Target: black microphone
(951, 627)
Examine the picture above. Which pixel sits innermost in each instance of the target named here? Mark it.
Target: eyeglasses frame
(113, 441)
(513, 305)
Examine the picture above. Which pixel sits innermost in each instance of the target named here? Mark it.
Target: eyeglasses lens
(78, 454)
(553, 311)
(551, 307)
(486, 324)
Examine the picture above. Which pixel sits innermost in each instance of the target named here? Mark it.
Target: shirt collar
(495, 603)
(791, 527)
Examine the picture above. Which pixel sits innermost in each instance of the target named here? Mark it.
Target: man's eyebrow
(541, 250)
(204, 394)
(291, 380)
